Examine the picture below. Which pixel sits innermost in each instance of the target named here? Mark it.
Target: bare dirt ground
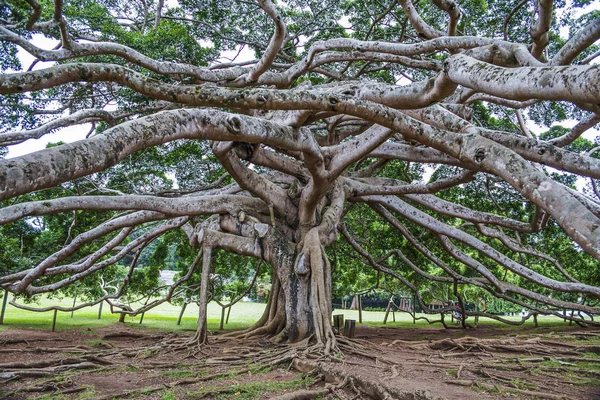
(483, 363)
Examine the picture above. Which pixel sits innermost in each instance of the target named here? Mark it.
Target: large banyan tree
(421, 139)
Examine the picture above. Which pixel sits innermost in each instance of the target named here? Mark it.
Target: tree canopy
(441, 149)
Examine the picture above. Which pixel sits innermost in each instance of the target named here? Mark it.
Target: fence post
(4, 302)
(338, 323)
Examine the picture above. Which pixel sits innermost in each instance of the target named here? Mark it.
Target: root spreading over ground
(383, 363)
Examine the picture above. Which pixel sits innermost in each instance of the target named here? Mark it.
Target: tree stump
(349, 328)
(338, 323)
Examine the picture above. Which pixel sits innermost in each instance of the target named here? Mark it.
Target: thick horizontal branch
(578, 84)
(388, 186)
(572, 215)
(204, 205)
(52, 166)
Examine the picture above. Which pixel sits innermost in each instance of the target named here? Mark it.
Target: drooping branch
(88, 265)
(499, 288)
(126, 221)
(438, 227)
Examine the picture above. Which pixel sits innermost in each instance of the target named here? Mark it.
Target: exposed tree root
(504, 389)
(78, 349)
(488, 346)
(303, 394)
(7, 342)
(365, 388)
(129, 335)
(49, 385)
(488, 364)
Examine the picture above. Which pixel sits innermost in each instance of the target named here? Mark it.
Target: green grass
(164, 317)
(168, 395)
(179, 373)
(252, 390)
(404, 320)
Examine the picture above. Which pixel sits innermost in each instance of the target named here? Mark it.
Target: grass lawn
(164, 317)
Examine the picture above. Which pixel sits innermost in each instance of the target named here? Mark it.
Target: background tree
(327, 135)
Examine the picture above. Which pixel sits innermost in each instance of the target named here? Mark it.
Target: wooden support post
(228, 312)
(222, 318)
(535, 323)
(387, 312)
(54, 320)
(74, 301)
(349, 328)
(4, 302)
(181, 313)
(142, 318)
(122, 317)
(359, 309)
(393, 315)
(100, 310)
(338, 323)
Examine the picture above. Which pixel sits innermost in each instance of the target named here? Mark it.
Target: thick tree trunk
(307, 287)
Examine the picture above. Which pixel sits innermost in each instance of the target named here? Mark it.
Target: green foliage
(196, 32)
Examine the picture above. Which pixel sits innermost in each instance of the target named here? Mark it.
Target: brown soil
(483, 363)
